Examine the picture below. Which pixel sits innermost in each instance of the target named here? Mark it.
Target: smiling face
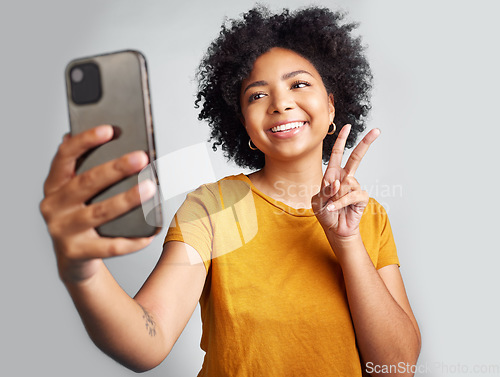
(285, 107)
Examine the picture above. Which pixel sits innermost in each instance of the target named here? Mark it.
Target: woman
(296, 271)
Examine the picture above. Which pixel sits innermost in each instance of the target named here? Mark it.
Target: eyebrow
(286, 76)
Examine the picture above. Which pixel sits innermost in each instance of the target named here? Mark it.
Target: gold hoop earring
(250, 145)
(332, 131)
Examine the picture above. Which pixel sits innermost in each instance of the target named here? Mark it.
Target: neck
(293, 183)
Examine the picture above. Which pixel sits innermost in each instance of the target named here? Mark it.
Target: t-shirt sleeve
(387, 247)
(192, 223)
(377, 235)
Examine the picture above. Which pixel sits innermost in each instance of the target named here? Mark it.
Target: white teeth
(287, 126)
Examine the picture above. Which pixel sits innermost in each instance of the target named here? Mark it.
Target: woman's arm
(137, 333)
(386, 330)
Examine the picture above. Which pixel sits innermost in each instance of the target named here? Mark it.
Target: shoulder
(377, 235)
(222, 193)
(374, 208)
(374, 216)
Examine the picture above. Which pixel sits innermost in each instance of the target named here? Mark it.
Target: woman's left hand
(340, 202)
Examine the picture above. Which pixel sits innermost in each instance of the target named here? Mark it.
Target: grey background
(434, 166)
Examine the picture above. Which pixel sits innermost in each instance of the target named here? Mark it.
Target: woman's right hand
(71, 223)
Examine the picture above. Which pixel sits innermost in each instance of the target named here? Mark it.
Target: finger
(357, 198)
(63, 165)
(339, 146)
(347, 185)
(105, 247)
(89, 183)
(360, 150)
(100, 213)
(331, 175)
(325, 194)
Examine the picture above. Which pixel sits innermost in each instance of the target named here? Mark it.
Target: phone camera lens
(85, 82)
(77, 75)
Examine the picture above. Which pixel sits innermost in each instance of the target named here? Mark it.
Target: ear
(331, 107)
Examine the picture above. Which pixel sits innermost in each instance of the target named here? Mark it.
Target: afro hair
(317, 34)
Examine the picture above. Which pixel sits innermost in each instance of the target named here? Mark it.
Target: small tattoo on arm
(150, 323)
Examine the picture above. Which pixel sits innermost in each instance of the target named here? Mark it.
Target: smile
(287, 126)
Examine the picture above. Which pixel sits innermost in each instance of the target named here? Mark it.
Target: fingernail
(146, 190)
(104, 131)
(330, 207)
(136, 158)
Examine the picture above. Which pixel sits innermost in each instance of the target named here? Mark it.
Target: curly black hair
(319, 35)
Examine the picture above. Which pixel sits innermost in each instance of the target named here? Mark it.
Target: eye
(256, 96)
(299, 84)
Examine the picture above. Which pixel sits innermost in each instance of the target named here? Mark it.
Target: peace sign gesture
(340, 202)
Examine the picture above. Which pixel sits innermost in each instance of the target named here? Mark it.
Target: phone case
(122, 100)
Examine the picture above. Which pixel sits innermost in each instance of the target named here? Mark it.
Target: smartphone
(113, 89)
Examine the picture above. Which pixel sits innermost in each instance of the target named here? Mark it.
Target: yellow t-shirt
(274, 302)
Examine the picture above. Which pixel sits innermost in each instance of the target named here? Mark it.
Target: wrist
(344, 246)
(78, 273)
(343, 241)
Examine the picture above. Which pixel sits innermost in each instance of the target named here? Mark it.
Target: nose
(281, 101)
